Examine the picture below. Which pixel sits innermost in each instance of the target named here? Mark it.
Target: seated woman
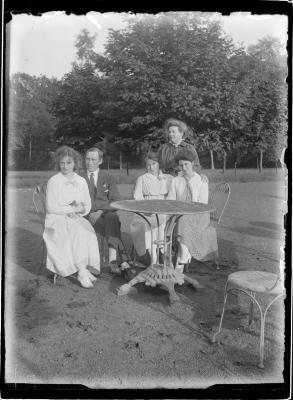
(70, 239)
(176, 132)
(149, 186)
(197, 238)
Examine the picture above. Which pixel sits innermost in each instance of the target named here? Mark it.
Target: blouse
(62, 192)
(193, 190)
(148, 186)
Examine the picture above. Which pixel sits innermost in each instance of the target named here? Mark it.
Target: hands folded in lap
(79, 208)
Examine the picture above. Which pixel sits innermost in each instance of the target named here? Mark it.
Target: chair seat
(256, 281)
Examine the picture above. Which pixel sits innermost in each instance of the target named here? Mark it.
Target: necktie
(92, 183)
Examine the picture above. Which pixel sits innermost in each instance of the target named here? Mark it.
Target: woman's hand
(79, 208)
(188, 176)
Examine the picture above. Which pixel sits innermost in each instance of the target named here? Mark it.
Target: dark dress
(167, 154)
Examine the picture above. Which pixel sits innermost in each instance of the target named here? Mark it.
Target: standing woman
(197, 238)
(70, 239)
(153, 185)
(176, 132)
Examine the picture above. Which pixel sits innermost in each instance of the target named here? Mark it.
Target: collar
(96, 173)
(181, 144)
(160, 177)
(72, 181)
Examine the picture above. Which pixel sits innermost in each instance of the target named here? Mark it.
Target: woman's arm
(204, 192)
(172, 191)
(138, 193)
(86, 198)
(194, 186)
(53, 205)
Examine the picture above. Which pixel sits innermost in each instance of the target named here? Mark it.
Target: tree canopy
(180, 65)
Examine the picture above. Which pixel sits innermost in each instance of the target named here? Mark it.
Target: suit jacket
(106, 191)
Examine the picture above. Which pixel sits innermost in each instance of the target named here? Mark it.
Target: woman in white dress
(70, 239)
(152, 185)
(197, 238)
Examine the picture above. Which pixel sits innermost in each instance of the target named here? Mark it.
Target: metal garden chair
(39, 201)
(256, 284)
(219, 199)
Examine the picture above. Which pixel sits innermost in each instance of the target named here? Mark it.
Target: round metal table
(162, 274)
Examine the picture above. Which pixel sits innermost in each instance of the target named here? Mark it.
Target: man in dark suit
(103, 190)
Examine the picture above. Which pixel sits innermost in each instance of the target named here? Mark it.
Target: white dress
(195, 231)
(71, 241)
(149, 187)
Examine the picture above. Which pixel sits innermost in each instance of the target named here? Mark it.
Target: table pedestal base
(157, 274)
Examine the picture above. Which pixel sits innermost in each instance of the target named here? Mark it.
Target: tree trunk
(276, 166)
(212, 159)
(260, 161)
(108, 163)
(235, 167)
(30, 150)
(224, 162)
(127, 168)
(257, 163)
(120, 161)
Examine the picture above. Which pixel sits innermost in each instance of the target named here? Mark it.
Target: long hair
(66, 151)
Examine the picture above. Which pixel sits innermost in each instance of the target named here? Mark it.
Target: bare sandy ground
(67, 334)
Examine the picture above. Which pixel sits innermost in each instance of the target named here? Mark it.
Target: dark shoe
(128, 272)
(145, 259)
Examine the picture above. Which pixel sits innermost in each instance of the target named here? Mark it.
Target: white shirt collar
(159, 177)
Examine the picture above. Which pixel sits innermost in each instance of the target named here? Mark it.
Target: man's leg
(108, 225)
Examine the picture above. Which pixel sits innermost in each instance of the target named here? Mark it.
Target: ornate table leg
(126, 288)
(157, 274)
(193, 282)
(173, 296)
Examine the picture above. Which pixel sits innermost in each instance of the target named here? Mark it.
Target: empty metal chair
(219, 199)
(255, 284)
(39, 201)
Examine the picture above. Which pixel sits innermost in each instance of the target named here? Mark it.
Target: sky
(44, 45)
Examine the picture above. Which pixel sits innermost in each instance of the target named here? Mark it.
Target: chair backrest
(219, 199)
(280, 276)
(39, 200)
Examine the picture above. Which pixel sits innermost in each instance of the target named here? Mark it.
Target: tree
(163, 66)
(77, 104)
(30, 124)
(85, 47)
(266, 103)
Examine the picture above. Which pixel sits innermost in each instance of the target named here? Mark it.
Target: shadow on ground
(257, 232)
(268, 225)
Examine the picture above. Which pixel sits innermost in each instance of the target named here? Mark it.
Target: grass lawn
(29, 179)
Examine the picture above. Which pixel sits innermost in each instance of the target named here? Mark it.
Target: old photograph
(146, 199)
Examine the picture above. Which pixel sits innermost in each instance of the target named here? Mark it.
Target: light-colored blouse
(194, 190)
(61, 192)
(149, 186)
